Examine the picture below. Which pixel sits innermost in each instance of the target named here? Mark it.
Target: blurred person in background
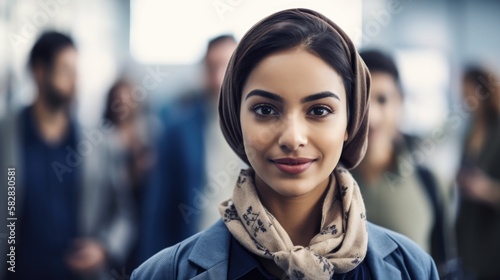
(399, 193)
(133, 140)
(73, 219)
(478, 221)
(196, 167)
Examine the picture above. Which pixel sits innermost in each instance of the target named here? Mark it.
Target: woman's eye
(320, 111)
(381, 99)
(264, 110)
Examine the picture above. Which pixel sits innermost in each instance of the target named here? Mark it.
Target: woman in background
(134, 132)
(133, 138)
(478, 221)
(400, 193)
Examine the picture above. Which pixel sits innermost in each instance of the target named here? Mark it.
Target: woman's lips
(292, 166)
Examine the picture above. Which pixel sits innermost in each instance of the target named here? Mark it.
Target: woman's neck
(300, 216)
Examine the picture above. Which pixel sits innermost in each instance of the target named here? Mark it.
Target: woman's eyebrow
(320, 95)
(274, 96)
(266, 94)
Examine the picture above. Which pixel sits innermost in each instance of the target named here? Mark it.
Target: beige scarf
(339, 246)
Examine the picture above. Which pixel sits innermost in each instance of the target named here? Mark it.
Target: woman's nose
(293, 135)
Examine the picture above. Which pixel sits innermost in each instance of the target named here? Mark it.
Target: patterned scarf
(339, 246)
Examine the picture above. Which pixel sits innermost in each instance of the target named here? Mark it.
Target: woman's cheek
(258, 138)
(249, 140)
(329, 141)
(260, 133)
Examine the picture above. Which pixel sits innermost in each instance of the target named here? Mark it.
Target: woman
(132, 140)
(478, 221)
(294, 106)
(400, 193)
(134, 134)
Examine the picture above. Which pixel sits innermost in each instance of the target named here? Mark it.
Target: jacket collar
(380, 246)
(211, 253)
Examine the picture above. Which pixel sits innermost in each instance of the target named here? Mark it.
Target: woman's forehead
(294, 73)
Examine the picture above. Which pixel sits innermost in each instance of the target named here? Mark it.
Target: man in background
(196, 168)
(72, 210)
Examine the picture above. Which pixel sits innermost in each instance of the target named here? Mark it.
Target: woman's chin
(291, 187)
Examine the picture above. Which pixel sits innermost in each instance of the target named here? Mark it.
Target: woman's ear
(346, 136)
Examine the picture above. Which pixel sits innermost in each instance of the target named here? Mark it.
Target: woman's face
(385, 114)
(293, 119)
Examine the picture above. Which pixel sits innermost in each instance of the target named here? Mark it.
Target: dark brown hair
(218, 40)
(111, 110)
(47, 47)
(317, 35)
(486, 87)
(378, 61)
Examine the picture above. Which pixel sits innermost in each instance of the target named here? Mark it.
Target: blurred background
(153, 59)
(432, 41)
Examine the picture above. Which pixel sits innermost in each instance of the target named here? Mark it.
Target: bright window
(176, 32)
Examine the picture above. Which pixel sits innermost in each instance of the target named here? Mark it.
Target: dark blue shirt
(244, 265)
(49, 215)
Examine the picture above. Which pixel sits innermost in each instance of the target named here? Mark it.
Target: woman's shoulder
(202, 251)
(378, 233)
(389, 250)
(390, 256)
(163, 265)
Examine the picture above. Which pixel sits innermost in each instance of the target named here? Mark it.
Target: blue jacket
(205, 256)
(178, 176)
